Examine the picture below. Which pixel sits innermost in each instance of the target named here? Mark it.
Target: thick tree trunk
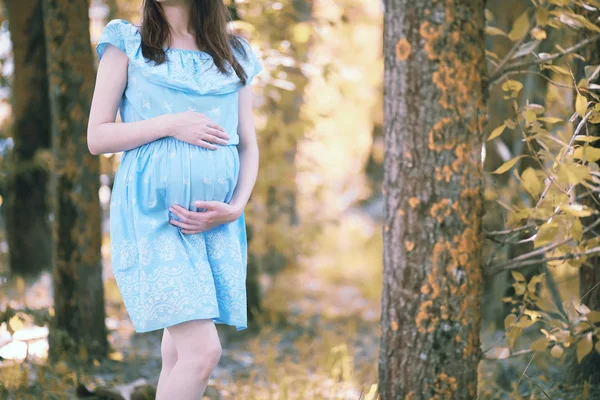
(589, 274)
(29, 232)
(78, 324)
(435, 92)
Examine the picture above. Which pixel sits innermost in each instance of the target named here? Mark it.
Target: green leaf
(508, 165)
(581, 105)
(497, 132)
(520, 27)
(584, 347)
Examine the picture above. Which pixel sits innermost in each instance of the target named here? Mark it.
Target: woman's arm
(106, 136)
(217, 212)
(248, 150)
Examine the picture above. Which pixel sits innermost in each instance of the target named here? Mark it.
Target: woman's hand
(195, 128)
(217, 213)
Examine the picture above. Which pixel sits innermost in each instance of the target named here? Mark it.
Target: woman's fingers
(207, 145)
(183, 225)
(216, 126)
(189, 232)
(215, 139)
(218, 132)
(181, 212)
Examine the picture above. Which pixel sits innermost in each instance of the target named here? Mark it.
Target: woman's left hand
(217, 213)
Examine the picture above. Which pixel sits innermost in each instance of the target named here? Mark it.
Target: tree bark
(28, 228)
(435, 95)
(589, 273)
(78, 325)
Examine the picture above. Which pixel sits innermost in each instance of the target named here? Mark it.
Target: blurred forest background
(316, 216)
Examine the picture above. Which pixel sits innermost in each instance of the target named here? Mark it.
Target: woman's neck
(177, 13)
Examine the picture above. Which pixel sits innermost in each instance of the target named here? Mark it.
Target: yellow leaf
(518, 276)
(581, 105)
(598, 345)
(587, 153)
(497, 132)
(556, 68)
(116, 356)
(530, 116)
(538, 34)
(519, 288)
(577, 210)
(531, 182)
(556, 351)
(508, 165)
(520, 27)
(539, 345)
(493, 31)
(541, 16)
(302, 32)
(16, 323)
(512, 86)
(587, 139)
(509, 320)
(524, 322)
(546, 234)
(584, 347)
(551, 120)
(593, 316)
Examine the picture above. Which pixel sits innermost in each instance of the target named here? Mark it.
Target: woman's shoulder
(120, 27)
(121, 34)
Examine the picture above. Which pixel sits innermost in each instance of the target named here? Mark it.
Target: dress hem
(215, 319)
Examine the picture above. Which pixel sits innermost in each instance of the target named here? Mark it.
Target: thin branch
(528, 71)
(524, 64)
(510, 231)
(509, 55)
(560, 159)
(538, 386)
(511, 355)
(510, 265)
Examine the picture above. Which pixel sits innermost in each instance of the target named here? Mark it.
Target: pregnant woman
(189, 163)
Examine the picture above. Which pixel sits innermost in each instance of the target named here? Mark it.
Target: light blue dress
(164, 276)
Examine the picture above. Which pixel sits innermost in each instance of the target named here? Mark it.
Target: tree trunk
(28, 228)
(435, 93)
(78, 325)
(589, 273)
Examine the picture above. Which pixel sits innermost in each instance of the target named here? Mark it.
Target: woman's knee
(198, 346)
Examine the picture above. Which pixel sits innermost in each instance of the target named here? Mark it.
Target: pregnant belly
(168, 171)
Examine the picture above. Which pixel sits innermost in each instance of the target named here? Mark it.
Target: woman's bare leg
(198, 352)
(169, 358)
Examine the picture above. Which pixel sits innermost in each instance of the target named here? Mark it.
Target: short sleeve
(253, 64)
(113, 33)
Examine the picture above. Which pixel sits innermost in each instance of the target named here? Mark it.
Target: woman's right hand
(195, 128)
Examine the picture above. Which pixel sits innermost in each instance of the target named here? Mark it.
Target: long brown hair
(209, 19)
